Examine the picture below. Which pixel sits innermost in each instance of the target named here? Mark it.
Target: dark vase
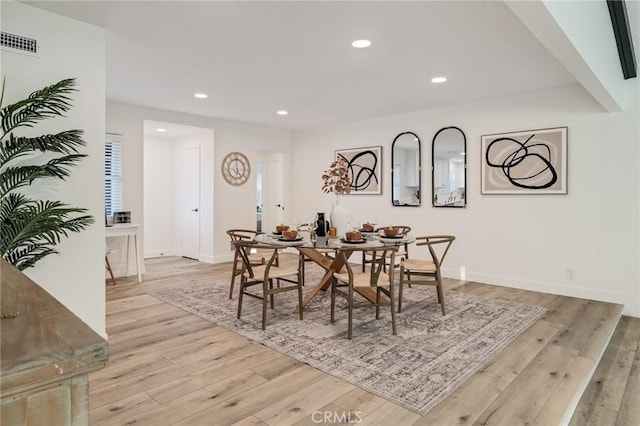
(321, 225)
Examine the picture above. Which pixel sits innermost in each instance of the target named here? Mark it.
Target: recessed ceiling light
(282, 112)
(200, 95)
(161, 130)
(361, 44)
(438, 79)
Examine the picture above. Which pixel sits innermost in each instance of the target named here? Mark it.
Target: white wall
(522, 241)
(233, 206)
(68, 49)
(160, 236)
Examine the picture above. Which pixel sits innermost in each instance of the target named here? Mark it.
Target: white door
(273, 191)
(189, 203)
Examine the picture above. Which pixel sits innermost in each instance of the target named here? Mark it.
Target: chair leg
(233, 274)
(271, 294)
(333, 299)
(378, 303)
(113, 279)
(350, 320)
(302, 268)
(400, 289)
(241, 292)
(393, 311)
(441, 295)
(265, 292)
(300, 307)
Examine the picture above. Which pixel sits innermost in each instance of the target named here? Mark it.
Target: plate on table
(393, 237)
(367, 232)
(344, 240)
(277, 233)
(298, 238)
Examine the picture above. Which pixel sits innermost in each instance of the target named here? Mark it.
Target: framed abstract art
(526, 162)
(365, 169)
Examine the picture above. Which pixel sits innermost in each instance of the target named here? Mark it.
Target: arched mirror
(405, 170)
(449, 168)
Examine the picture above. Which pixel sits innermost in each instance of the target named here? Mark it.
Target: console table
(46, 355)
(127, 230)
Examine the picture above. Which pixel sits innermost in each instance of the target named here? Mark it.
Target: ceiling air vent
(18, 43)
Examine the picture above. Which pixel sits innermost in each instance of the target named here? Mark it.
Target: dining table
(318, 251)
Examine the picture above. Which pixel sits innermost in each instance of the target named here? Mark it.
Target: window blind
(112, 176)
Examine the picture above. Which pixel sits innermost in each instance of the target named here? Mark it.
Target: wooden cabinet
(45, 358)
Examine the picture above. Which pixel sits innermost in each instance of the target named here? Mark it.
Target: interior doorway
(259, 201)
(189, 202)
(178, 191)
(270, 190)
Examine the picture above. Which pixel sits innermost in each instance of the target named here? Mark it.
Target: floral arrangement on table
(336, 179)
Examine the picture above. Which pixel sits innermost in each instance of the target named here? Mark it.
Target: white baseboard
(161, 253)
(540, 286)
(206, 259)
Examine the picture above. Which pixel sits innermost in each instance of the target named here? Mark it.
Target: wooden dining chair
(107, 265)
(403, 249)
(255, 257)
(265, 275)
(365, 282)
(426, 271)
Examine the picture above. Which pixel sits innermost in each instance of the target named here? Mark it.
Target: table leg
(135, 240)
(126, 267)
(329, 265)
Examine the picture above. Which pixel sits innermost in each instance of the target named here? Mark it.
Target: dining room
(560, 247)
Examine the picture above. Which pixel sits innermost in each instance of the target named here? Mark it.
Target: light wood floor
(168, 367)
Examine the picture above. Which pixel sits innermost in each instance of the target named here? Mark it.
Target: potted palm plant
(30, 229)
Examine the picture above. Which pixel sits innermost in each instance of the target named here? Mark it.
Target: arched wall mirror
(405, 170)
(449, 168)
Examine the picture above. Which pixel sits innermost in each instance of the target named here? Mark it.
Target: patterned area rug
(431, 356)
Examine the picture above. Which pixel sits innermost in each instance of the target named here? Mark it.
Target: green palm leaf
(36, 226)
(66, 142)
(31, 229)
(13, 178)
(27, 256)
(51, 101)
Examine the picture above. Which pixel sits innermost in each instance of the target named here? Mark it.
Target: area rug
(431, 356)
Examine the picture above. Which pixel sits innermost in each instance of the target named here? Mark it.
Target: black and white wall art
(526, 162)
(365, 169)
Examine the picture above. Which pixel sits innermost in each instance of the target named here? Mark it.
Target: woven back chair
(426, 271)
(363, 282)
(254, 257)
(265, 275)
(400, 255)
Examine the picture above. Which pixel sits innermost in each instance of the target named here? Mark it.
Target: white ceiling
(254, 58)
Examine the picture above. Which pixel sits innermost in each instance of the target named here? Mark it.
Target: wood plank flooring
(168, 367)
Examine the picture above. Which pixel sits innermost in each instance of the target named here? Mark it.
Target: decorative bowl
(391, 231)
(353, 236)
(282, 228)
(290, 234)
(367, 227)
